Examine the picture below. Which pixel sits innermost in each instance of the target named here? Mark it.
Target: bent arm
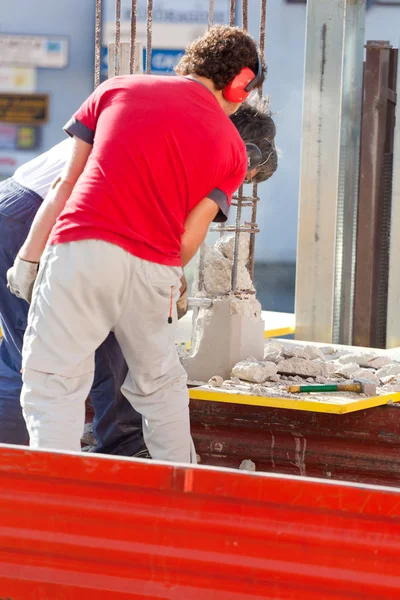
(55, 201)
(196, 227)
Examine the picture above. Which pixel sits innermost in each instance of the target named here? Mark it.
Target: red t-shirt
(160, 146)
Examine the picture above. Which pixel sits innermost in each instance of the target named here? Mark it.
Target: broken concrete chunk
(305, 368)
(314, 353)
(254, 371)
(362, 359)
(275, 378)
(273, 352)
(247, 465)
(392, 369)
(367, 374)
(347, 371)
(328, 350)
(388, 379)
(226, 246)
(216, 381)
(379, 362)
(310, 380)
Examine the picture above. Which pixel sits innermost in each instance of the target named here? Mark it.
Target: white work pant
(83, 291)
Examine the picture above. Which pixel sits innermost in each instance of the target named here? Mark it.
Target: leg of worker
(156, 382)
(117, 426)
(75, 302)
(17, 209)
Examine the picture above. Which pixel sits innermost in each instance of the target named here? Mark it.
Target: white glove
(21, 277)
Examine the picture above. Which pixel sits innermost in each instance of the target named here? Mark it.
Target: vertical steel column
(97, 48)
(375, 197)
(393, 306)
(329, 170)
(211, 12)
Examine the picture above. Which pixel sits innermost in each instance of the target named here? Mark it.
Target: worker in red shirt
(154, 161)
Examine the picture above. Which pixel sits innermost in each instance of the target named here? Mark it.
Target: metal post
(97, 48)
(132, 58)
(375, 198)
(232, 13)
(149, 35)
(329, 170)
(117, 57)
(393, 319)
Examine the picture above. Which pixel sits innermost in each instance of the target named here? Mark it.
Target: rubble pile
(308, 364)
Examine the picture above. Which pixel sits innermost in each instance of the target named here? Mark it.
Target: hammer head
(367, 387)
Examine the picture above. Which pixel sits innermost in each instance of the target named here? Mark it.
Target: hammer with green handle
(358, 386)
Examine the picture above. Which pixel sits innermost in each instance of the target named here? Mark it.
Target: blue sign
(163, 60)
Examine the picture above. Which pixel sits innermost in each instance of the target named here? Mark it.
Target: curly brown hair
(220, 54)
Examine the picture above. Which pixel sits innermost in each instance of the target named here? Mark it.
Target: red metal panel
(75, 527)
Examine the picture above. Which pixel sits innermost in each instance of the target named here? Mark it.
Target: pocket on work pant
(165, 280)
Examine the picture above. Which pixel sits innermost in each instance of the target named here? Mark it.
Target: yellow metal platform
(322, 403)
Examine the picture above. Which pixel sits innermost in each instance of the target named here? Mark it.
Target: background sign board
(176, 23)
(17, 79)
(163, 60)
(27, 109)
(16, 137)
(49, 52)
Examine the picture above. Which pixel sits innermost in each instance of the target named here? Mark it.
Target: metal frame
(393, 306)
(375, 197)
(329, 170)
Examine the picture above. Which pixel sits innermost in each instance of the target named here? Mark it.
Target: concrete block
(305, 368)
(255, 372)
(379, 362)
(362, 359)
(347, 371)
(226, 333)
(273, 352)
(392, 369)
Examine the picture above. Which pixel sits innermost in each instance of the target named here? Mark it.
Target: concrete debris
(275, 378)
(347, 371)
(216, 381)
(306, 352)
(254, 371)
(310, 380)
(362, 359)
(392, 369)
(306, 368)
(328, 350)
(273, 352)
(226, 246)
(218, 275)
(379, 362)
(388, 379)
(366, 374)
(247, 465)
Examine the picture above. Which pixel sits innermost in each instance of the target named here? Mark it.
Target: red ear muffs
(243, 84)
(236, 90)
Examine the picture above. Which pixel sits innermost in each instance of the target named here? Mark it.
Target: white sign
(176, 23)
(33, 51)
(17, 79)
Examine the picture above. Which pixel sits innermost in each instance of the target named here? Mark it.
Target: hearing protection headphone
(239, 89)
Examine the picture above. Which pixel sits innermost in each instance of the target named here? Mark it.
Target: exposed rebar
(232, 13)
(237, 240)
(132, 57)
(149, 35)
(211, 13)
(245, 13)
(97, 48)
(253, 233)
(117, 55)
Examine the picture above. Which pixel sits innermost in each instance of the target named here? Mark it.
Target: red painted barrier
(84, 527)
